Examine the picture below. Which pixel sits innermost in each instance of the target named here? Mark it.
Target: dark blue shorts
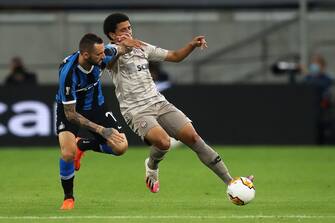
(101, 116)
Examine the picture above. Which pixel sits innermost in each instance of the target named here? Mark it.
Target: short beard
(92, 62)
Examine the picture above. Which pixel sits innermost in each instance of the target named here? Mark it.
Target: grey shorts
(162, 113)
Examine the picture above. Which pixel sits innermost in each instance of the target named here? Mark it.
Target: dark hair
(111, 22)
(87, 42)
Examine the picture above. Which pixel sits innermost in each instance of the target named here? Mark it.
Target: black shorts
(99, 115)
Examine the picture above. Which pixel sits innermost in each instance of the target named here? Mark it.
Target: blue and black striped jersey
(76, 85)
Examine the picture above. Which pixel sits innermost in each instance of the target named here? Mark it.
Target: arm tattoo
(76, 118)
(107, 132)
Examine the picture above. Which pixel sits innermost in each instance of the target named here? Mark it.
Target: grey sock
(212, 160)
(156, 155)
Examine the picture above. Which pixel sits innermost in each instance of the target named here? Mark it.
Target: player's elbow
(174, 57)
(70, 116)
(177, 60)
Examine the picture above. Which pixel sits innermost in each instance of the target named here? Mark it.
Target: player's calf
(79, 153)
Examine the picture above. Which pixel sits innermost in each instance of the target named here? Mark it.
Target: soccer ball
(241, 191)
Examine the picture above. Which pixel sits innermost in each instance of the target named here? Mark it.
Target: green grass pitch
(293, 184)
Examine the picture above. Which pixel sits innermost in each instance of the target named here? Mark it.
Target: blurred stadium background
(244, 101)
(228, 90)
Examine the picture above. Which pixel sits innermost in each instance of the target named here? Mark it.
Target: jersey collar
(85, 71)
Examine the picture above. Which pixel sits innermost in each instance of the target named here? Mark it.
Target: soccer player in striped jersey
(80, 104)
(145, 110)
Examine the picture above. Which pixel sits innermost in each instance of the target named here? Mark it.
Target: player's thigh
(68, 145)
(142, 122)
(62, 124)
(66, 132)
(146, 126)
(158, 137)
(173, 120)
(188, 134)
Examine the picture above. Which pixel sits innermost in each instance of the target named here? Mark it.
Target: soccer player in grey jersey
(145, 110)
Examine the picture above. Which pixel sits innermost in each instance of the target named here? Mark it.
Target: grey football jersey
(134, 86)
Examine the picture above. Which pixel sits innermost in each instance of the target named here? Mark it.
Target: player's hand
(199, 41)
(123, 37)
(128, 41)
(116, 145)
(113, 136)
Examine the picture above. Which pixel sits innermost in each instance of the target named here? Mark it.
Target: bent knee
(190, 139)
(163, 143)
(120, 149)
(68, 154)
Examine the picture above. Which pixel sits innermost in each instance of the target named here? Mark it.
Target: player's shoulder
(150, 48)
(71, 58)
(148, 45)
(110, 45)
(69, 62)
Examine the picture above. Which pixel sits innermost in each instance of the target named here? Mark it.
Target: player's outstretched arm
(182, 53)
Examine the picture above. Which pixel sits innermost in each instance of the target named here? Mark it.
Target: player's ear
(112, 36)
(85, 55)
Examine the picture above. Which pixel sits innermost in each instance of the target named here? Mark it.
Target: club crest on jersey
(138, 52)
(143, 124)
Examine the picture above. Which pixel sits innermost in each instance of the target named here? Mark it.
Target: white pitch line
(167, 217)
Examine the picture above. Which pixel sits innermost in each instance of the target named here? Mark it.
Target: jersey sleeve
(110, 52)
(155, 53)
(67, 85)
